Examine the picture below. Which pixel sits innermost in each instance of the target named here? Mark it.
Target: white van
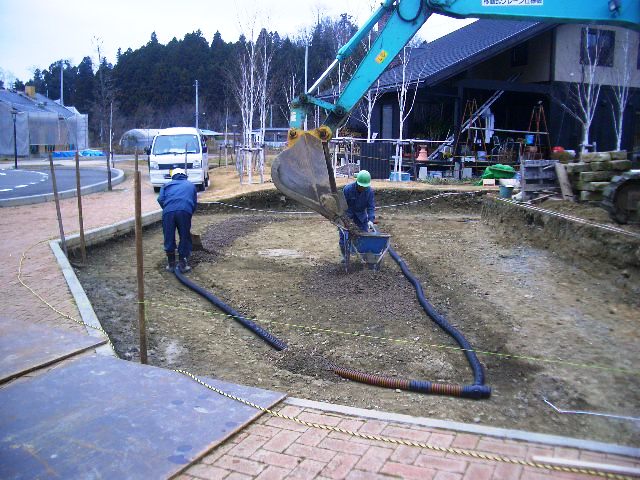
(175, 147)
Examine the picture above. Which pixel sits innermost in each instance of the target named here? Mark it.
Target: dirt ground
(545, 325)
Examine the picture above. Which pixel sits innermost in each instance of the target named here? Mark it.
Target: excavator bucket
(302, 172)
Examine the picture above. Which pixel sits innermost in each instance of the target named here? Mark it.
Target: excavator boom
(303, 171)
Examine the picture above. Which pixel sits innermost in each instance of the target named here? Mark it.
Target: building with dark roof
(533, 63)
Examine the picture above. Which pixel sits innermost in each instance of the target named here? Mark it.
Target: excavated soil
(547, 324)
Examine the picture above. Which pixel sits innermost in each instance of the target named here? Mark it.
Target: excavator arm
(302, 170)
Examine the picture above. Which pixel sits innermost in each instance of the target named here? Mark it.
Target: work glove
(370, 225)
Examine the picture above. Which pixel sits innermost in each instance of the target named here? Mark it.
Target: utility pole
(197, 114)
(111, 135)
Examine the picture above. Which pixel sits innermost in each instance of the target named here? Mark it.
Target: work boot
(171, 262)
(183, 265)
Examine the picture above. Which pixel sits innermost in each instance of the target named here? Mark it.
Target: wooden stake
(139, 264)
(563, 180)
(83, 246)
(109, 171)
(57, 200)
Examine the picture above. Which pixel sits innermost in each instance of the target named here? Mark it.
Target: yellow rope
(507, 356)
(396, 441)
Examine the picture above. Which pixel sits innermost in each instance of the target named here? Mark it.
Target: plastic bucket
(506, 192)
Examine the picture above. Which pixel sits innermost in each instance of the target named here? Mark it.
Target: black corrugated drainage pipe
(477, 391)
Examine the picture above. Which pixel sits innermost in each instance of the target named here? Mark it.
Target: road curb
(505, 433)
(48, 197)
(94, 237)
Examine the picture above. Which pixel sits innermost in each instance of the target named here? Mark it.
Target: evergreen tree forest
(153, 86)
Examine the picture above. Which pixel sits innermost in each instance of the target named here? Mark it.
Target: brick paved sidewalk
(276, 448)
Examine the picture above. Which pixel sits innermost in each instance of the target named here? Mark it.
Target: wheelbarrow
(369, 246)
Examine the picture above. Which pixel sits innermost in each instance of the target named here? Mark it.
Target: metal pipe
(324, 75)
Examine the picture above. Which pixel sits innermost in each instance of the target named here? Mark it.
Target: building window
(597, 47)
(520, 55)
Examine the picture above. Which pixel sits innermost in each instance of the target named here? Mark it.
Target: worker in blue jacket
(361, 205)
(178, 200)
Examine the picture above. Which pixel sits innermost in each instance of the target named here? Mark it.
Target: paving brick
(406, 433)
(405, 454)
(507, 471)
(241, 465)
(440, 463)
(535, 450)
(285, 424)
(343, 446)
(262, 430)
(307, 469)
(408, 471)
(319, 418)
(362, 475)
(218, 452)
(291, 410)
(207, 472)
(340, 466)
(273, 473)
(501, 448)
(281, 441)
(441, 439)
(447, 476)
(373, 427)
(248, 446)
(312, 437)
(536, 474)
(238, 476)
(569, 453)
(314, 453)
(275, 459)
(351, 424)
(374, 459)
(465, 441)
(479, 472)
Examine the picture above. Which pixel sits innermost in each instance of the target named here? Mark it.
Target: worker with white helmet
(178, 200)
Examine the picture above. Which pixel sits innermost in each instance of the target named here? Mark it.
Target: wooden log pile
(591, 175)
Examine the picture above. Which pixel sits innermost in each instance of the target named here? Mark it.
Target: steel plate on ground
(26, 346)
(101, 417)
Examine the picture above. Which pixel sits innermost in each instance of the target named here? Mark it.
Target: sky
(38, 33)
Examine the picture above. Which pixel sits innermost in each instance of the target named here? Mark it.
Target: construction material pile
(593, 173)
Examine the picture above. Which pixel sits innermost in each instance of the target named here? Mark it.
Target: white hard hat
(177, 171)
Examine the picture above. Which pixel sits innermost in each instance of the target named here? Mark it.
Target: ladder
(473, 118)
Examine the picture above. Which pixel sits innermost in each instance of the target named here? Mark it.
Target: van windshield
(168, 144)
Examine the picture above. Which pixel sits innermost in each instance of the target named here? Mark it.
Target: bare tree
(582, 96)
(621, 87)
(365, 108)
(245, 91)
(265, 55)
(407, 92)
(104, 94)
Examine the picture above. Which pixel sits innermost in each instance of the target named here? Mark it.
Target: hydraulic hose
(476, 391)
(272, 340)
(478, 371)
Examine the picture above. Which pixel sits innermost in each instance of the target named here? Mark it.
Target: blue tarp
(83, 153)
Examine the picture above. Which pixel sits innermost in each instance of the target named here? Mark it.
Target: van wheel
(200, 187)
(206, 181)
(156, 189)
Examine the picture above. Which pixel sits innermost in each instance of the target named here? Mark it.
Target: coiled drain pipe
(476, 391)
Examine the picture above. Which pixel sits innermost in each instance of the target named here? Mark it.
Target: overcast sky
(37, 33)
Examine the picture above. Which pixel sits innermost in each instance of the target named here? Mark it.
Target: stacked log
(591, 175)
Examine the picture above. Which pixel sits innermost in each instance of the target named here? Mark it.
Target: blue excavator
(307, 157)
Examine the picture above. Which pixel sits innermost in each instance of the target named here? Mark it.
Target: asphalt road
(37, 181)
